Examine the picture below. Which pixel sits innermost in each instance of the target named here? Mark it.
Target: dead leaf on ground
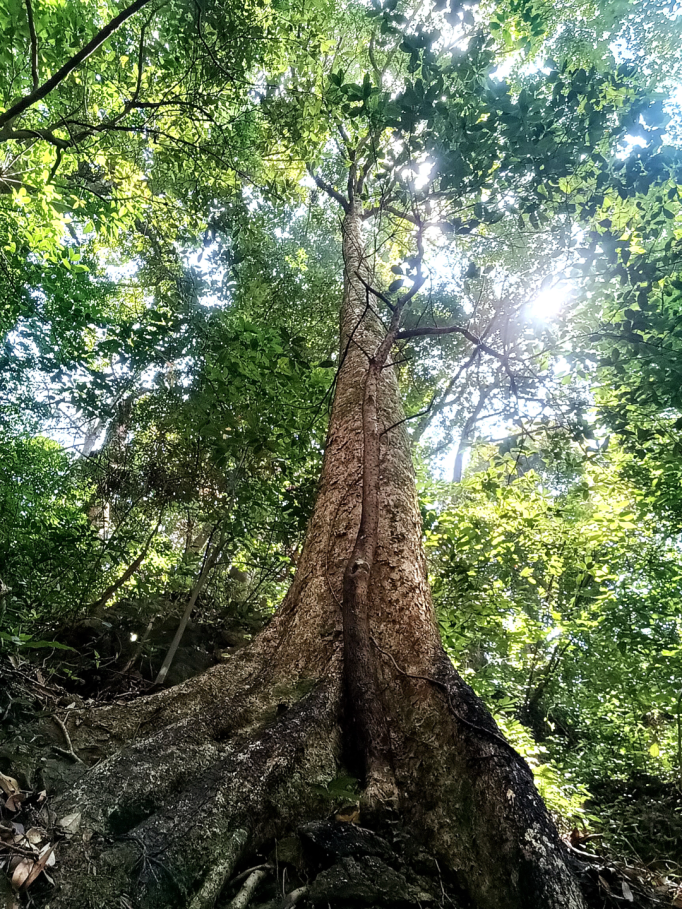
(28, 869)
(21, 872)
(36, 835)
(71, 822)
(13, 803)
(627, 893)
(677, 902)
(45, 860)
(605, 884)
(8, 784)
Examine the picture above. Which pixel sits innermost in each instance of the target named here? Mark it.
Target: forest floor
(339, 860)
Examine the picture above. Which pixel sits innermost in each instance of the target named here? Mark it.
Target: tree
(423, 144)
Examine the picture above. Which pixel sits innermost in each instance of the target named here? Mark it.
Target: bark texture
(193, 778)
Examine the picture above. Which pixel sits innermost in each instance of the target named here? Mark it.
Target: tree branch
(46, 134)
(329, 189)
(55, 166)
(375, 292)
(44, 90)
(435, 408)
(430, 330)
(210, 558)
(140, 63)
(129, 572)
(467, 431)
(469, 335)
(34, 44)
(412, 416)
(446, 226)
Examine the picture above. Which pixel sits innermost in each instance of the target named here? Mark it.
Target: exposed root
(215, 880)
(243, 898)
(171, 816)
(102, 731)
(295, 896)
(175, 814)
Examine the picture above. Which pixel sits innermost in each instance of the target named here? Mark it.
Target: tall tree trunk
(468, 431)
(208, 770)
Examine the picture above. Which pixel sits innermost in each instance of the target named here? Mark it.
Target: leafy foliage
(559, 596)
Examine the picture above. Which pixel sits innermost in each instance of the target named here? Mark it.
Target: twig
(377, 293)
(14, 847)
(42, 91)
(584, 855)
(405, 419)
(69, 752)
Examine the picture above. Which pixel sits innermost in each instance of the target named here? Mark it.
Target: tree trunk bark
(195, 777)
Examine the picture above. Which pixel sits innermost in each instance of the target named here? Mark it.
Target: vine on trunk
(363, 699)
